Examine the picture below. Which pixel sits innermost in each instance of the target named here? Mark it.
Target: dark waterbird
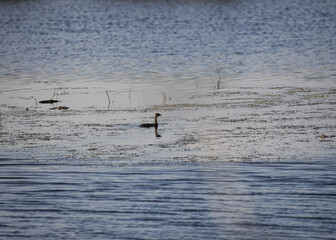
(155, 124)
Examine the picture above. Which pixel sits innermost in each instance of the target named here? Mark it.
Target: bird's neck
(155, 120)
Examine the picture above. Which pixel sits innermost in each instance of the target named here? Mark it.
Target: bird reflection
(156, 132)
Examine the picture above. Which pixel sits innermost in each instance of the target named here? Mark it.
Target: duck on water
(149, 125)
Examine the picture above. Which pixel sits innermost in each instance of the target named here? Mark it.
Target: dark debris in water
(50, 101)
(323, 136)
(60, 108)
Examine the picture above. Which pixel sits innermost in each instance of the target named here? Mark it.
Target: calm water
(245, 89)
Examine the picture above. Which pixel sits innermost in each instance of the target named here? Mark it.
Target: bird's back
(147, 125)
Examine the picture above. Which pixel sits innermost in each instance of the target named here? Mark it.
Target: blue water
(245, 89)
(230, 201)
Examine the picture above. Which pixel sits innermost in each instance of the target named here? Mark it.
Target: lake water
(246, 145)
(195, 201)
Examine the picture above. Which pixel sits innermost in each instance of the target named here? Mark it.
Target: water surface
(247, 94)
(231, 201)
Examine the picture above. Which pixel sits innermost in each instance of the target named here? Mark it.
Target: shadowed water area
(245, 147)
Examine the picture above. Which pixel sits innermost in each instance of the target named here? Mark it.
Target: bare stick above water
(109, 100)
(113, 99)
(219, 81)
(53, 94)
(217, 85)
(195, 84)
(164, 98)
(35, 101)
(130, 96)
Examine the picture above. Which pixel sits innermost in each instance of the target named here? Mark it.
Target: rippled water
(245, 147)
(231, 201)
(168, 40)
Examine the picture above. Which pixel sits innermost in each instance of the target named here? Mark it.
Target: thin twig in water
(214, 84)
(195, 84)
(109, 100)
(217, 85)
(164, 98)
(35, 101)
(219, 82)
(130, 96)
(53, 94)
(113, 99)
